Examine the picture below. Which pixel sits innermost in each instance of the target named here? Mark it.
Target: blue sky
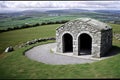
(90, 5)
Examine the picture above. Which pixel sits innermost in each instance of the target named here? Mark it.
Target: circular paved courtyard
(44, 54)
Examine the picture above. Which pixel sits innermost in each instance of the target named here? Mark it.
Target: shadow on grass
(113, 51)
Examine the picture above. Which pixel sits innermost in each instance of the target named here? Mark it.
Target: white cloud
(61, 4)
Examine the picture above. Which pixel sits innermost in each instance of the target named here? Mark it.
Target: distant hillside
(108, 11)
(68, 11)
(36, 12)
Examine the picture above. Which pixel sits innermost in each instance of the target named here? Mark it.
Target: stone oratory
(84, 36)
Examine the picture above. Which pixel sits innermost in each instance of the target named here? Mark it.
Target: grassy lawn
(116, 28)
(16, 37)
(15, 65)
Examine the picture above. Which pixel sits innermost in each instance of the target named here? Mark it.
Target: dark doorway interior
(85, 43)
(67, 43)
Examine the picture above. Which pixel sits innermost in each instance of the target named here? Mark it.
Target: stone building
(84, 36)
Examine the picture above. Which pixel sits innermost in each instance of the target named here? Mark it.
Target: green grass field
(116, 28)
(15, 65)
(33, 19)
(10, 23)
(16, 37)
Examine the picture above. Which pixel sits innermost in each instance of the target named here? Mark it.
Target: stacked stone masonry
(100, 35)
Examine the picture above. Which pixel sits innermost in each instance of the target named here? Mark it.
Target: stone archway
(84, 44)
(67, 43)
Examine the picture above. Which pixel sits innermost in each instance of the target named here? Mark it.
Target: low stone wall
(36, 41)
(9, 49)
(116, 36)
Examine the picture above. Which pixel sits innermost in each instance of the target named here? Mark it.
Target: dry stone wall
(101, 39)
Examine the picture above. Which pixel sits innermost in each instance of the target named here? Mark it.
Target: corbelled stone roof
(97, 24)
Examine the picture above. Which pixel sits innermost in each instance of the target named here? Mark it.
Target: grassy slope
(15, 65)
(13, 38)
(116, 28)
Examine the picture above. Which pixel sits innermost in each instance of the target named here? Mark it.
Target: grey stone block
(99, 32)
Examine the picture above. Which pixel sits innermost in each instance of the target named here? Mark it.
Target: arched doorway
(67, 43)
(84, 44)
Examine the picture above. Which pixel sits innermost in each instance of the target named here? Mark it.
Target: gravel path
(42, 54)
